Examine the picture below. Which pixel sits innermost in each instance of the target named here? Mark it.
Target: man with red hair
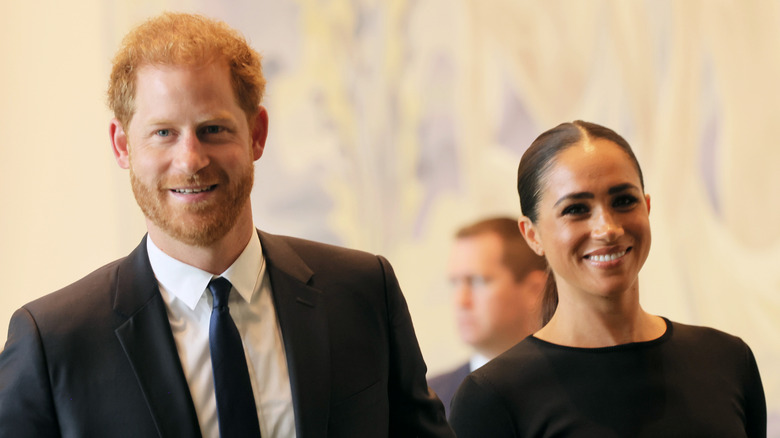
(211, 327)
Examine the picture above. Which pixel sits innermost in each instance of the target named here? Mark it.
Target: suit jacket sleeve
(755, 401)
(26, 406)
(415, 411)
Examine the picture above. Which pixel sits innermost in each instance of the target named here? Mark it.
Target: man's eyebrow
(217, 119)
(156, 122)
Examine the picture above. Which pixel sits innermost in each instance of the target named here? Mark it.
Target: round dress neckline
(620, 347)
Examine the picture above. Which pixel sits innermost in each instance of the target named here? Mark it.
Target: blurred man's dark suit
(445, 385)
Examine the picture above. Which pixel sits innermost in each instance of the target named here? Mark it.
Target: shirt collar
(188, 283)
(477, 361)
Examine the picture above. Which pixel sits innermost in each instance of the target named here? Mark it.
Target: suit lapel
(303, 320)
(148, 342)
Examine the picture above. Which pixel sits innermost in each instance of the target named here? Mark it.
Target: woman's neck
(589, 327)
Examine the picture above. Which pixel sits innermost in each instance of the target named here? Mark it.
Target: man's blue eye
(163, 132)
(472, 281)
(213, 129)
(479, 281)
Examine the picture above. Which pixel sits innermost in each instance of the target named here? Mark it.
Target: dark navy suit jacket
(98, 358)
(445, 385)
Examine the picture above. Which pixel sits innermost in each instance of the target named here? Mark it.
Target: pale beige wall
(65, 206)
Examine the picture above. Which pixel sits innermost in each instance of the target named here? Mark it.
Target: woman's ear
(647, 202)
(528, 230)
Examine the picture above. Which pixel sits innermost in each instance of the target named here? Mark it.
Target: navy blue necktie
(235, 401)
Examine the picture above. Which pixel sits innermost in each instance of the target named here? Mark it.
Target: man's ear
(259, 133)
(530, 234)
(647, 201)
(119, 144)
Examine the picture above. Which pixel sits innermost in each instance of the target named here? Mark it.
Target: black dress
(690, 382)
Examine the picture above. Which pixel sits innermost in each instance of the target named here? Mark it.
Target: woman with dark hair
(601, 366)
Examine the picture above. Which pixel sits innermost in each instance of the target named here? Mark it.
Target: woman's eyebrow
(578, 195)
(588, 195)
(621, 188)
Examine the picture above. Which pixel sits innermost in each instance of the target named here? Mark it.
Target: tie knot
(220, 290)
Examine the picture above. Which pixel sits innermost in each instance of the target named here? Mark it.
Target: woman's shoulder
(513, 366)
(709, 345)
(688, 334)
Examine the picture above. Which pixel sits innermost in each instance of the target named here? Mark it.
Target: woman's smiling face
(592, 222)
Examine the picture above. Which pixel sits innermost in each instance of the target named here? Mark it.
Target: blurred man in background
(498, 283)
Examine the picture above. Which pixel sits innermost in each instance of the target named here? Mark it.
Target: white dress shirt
(188, 302)
(477, 360)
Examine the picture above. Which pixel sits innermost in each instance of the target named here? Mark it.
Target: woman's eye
(163, 132)
(214, 129)
(574, 209)
(625, 201)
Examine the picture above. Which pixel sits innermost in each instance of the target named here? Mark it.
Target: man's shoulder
(317, 255)
(454, 376)
(446, 385)
(329, 268)
(96, 290)
(79, 289)
(76, 312)
(308, 245)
